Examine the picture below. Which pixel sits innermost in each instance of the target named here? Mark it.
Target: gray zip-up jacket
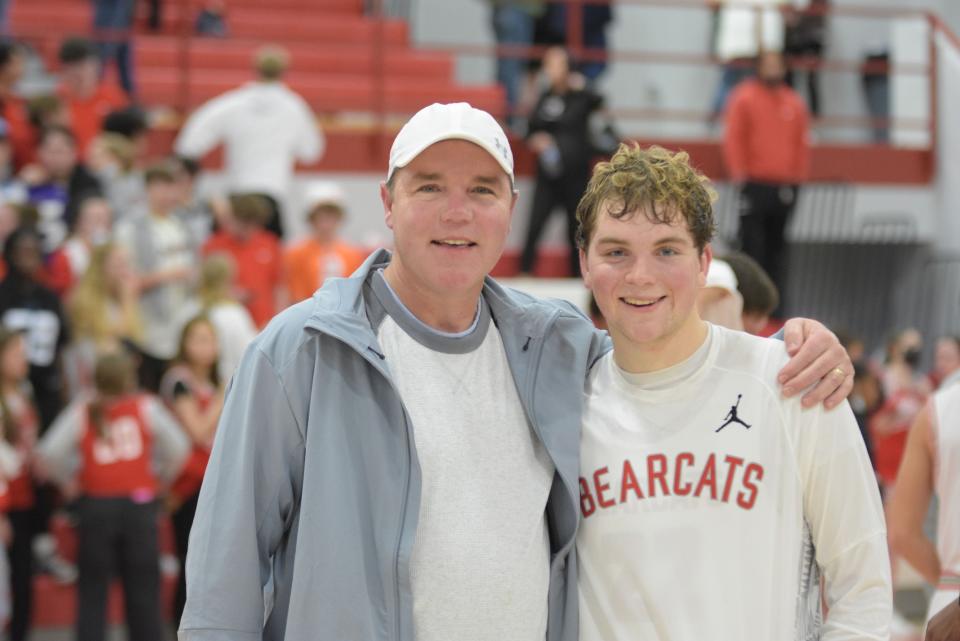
(309, 508)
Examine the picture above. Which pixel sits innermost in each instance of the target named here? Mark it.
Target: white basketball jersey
(710, 506)
(947, 481)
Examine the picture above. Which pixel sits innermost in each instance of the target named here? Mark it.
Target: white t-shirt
(265, 127)
(479, 569)
(710, 504)
(946, 476)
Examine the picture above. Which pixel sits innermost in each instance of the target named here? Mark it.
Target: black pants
(24, 524)
(564, 191)
(182, 522)
(118, 536)
(765, 211)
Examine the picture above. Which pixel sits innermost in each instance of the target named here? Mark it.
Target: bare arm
(201, 425)
(911, 500)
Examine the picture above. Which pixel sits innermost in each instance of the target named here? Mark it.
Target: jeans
(116, 15)
(512, 26)
(730, 78)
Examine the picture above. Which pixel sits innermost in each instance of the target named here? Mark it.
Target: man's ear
(387, 199)
(584, 269)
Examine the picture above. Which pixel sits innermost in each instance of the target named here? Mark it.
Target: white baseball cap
(324, 192)
(457, 121)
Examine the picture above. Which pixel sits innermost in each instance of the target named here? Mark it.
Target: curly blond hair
(660, 184)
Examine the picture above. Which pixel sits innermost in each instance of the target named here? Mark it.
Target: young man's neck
(453, 313)
(658, 355)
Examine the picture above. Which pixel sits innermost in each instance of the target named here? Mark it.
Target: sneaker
(48, 561)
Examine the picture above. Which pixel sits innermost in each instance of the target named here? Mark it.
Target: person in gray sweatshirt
(398, 456)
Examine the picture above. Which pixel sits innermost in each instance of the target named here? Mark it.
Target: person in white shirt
(711, 505)
(931, 465)
(265, 128)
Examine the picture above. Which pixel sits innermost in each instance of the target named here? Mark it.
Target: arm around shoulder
(247, 503)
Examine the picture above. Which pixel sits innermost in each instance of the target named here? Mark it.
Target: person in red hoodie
(87, 96)
(256, 252)
(766, 150)
(117, 449)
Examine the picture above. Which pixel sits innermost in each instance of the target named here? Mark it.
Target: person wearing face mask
(766, 150)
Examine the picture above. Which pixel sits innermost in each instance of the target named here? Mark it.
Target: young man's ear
(584, 269)
(706, 257)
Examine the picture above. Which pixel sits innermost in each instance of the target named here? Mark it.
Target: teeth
(455, 243)
(640, 302)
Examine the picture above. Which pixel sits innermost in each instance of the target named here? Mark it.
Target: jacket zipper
(368, 355)
(531, 416)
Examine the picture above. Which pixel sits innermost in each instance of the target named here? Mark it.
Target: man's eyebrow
(420, 175)
(611, 240)
(672, 240)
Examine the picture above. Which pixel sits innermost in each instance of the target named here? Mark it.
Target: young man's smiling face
(645, 277)
(450, 211)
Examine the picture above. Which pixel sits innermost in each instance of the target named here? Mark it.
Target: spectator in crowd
(87, 96)
(13, 109)
(767, 153)
(594, 19)
(256, 253)
(760, 295)
(192, 211)
(804, 41)
(212, 20)
(719, 301)
(322, 254)
(9, 220)
(117, 450)
(738, 295)
(946, 360)
(111, 159)
(104, 313)
(559, 136)
(234, 326)
(905, 390)
(931, 465)
(166, 266)
(193, 390)
(414, 341)
(19, 424)
(513, 23)
(131, 123)
(265, 128)
(69, 261)
(28, 306)
(112, 23)
(56, 184)
(12, 189)
(47, 110)
(744, 30)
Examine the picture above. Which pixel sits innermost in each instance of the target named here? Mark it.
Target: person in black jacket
(559, 135)
(28, 306)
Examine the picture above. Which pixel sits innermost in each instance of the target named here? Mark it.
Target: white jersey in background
(711, 504)
(946, 483)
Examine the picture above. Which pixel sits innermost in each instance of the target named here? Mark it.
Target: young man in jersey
(397, 456)
(710, 504)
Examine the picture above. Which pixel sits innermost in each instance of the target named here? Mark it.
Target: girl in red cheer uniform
(18, 429)
(116, 449)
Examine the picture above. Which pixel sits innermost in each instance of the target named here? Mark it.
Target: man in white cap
(397, 457)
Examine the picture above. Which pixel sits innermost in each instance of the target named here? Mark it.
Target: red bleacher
(330, 41)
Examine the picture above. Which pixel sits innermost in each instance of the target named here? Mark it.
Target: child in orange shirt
(322, 255)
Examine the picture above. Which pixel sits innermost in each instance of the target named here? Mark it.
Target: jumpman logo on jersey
(732, 417)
